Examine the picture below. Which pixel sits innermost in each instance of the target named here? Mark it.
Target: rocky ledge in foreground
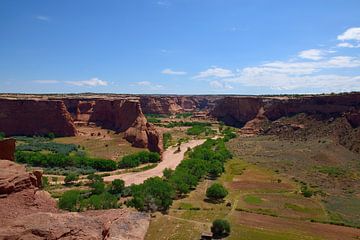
(29, 213)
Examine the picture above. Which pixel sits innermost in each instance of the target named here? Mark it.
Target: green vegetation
(187, 124)
(157, 194)
(331, 171)
(167, 140)
(153, 120)
(134, 160)
(67, 170)
(216, 192)
(153, 195)
(199, 129)
(99, 197)
(220, 228)
(2, 135)
(184, 115)
(154, 115)
(37, 144)
(228, 134)
(71, 178)
(39, 159)
(251, 199)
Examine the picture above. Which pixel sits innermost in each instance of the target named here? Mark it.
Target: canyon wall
(35, 117)
(118, 114)
(157, 104)
(239, 110)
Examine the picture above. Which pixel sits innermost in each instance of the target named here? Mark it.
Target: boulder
(14, 178)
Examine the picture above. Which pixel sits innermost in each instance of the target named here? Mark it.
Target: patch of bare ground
(327, 231)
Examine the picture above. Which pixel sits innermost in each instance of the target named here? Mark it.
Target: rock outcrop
(122, 115)
(7, 149)
(29, 213)
(35, 117)
(14, 178)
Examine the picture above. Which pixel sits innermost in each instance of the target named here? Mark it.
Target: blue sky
(180, 46)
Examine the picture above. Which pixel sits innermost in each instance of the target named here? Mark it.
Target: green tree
(168, 172)
(215, 168)
(69, 200)
(216, 192)
(117, 186)
(71, 178)
(2, 135)
(97, 187)
(220, 228)
(153, 195)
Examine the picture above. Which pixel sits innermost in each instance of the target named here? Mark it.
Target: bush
(2, 135)
(215, 168)
(71, 178)
(167, 140)
(98, 187)
(216, 192)
(167, 173)
(117, 186)
(101, 201)
(134, 160)
(153, 195)
(70, 200)
(220, 228)
(51, 160)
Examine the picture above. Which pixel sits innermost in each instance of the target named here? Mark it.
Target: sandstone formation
(122, 115)
(7, 149)
(161, 104)
(14, 178)
(239, 110)
(29, 213)
(35, 117)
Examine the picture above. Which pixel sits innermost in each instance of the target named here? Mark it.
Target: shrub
(216, 192)
(50, 135)
(167, 140)
(2, 135)
(101, 201)
(168, 172)
(71, 178)
(153, 195)
(98, 187)
(117, 186)
(134, 160)
(220, 228)
(215, 168)
(70, 200)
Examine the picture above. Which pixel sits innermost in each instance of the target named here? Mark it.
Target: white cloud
(220, 85)
(42, 18)
(168, 71)
(163, 3)
(350, 34)
(143, 83)
(313, 54)
(348, 45)
(94, 82)
(148, 85)
(46, 81)
(214, 72)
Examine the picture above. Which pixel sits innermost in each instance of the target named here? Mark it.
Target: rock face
(28, 213)
(7, 149)
(122, 115)
(14, 178)
(35, 117)
(239, 110)
(92, 225)
(176, 104)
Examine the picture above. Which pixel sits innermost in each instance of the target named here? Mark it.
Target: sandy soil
(170, 159)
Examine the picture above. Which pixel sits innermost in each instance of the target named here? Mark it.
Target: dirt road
(170, 159)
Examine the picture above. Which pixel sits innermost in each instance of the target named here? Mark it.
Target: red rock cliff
(35, 117)
(239, 110)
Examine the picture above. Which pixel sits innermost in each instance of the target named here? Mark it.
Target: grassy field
(263, 203)
(101, 143)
